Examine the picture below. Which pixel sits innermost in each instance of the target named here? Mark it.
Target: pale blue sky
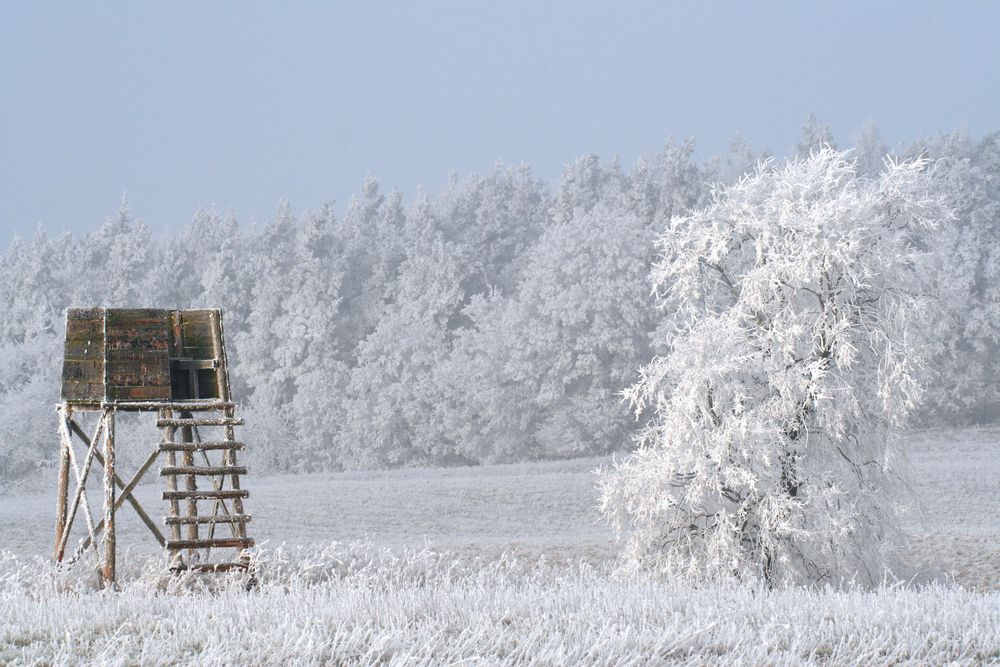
(241, 104)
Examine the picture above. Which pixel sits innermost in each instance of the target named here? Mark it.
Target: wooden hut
(173, 363)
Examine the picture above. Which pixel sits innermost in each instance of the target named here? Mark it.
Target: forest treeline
(497, 321)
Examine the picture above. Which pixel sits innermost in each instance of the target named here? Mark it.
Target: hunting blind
(173, 363)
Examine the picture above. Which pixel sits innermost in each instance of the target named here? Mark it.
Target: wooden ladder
(194, 550)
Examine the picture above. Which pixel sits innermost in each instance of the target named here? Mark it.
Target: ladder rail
(175, 506)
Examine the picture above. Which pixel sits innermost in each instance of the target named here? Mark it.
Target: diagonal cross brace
(81, 480)
(127, 489)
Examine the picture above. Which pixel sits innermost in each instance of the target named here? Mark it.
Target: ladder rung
(210, 567)
(196, 405)
(221, 542)
(211, 421)
(222, 518)
(202, 470)
(197, 446)
(205, 495)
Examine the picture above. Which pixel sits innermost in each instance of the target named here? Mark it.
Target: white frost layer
(358, 604)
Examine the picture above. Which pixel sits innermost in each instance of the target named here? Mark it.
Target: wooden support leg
(108, 571)
(63, 490)
(175, 506)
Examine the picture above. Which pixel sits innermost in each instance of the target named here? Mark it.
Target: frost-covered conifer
(796, 353)
(814, 136)
(869, 151)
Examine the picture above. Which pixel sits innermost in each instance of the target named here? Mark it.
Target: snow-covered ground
(360, 605)
(495, 564)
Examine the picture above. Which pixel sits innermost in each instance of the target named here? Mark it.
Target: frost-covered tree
(492, 220)
(32, 327)
(967, 266)
(796, 353)
(740, 161)
(869, 151)
(391, 418)
(663, 185)
(113, 263)
(372, 238)
(290, 355)
(539, 372)
(311, 343)
(536, 371)
(814, 136)
(585, 183)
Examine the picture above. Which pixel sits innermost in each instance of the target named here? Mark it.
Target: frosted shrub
(796, 353)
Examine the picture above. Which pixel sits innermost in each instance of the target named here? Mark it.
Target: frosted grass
(359, 604)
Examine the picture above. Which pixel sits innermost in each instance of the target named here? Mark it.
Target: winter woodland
(502, 319)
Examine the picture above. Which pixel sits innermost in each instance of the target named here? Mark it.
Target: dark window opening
(208, 386)
(180, 384)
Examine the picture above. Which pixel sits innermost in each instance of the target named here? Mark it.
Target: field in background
(543, 507)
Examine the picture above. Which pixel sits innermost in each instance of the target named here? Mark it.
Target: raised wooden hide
(143, 356)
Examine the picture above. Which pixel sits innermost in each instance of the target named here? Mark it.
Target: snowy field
(499, 564)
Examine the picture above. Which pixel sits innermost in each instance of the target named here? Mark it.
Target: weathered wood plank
(136, 376)
(85, 330)
(63, 486)
(125, 316)
(225, 421)
(220, 543)
(198, 333)
(189, 406)
(75, 314)
(202, 470)
(118, 393)
(83, 370)
(83, 350)
(77, 393)
(204, 494)
(143, 330)
(210, 567)
(197, 446)
(82, 392)
(232, 518)
(108, 571)
(219, 353)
